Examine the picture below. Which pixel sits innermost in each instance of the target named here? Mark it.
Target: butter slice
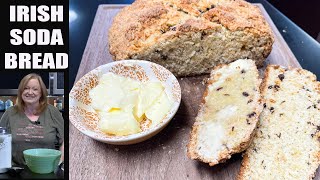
(149, 93)
(122, 103)
(118, 123)
(114, 91)
(112, 96)
(110, 78)
(159, 109)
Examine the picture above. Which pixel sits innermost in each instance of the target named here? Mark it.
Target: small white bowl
(84, 117)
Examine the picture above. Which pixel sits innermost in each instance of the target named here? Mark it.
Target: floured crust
(134, 22)
(192, 151)
(148, 29)
(244, 167)
(310, 90)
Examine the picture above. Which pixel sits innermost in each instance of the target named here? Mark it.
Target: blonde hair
(44, 93)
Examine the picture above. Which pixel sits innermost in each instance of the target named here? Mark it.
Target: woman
(33, 122)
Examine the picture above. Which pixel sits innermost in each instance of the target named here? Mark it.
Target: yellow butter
(148, 95)
(122, 103)
(118, 123)
(159, 109)
(114, 96)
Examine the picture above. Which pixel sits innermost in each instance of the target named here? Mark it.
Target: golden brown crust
(127, 28)
(192, 143)
(264, 82)
(244, 166)
(143, 24)
(193, 135)
(238, 15)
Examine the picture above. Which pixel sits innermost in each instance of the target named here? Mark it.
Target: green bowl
(42, 161)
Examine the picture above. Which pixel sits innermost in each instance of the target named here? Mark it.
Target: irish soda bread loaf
(190, 37)
(286, 144)
(228, 114)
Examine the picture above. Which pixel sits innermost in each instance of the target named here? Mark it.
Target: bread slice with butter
(228, 113)
(286, 144)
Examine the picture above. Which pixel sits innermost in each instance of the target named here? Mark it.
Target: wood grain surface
(164, 155)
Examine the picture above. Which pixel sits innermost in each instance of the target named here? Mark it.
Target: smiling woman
(33, 122)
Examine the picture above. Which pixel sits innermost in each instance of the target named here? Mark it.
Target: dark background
(305, 14)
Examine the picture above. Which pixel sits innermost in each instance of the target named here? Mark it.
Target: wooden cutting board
(164, 155)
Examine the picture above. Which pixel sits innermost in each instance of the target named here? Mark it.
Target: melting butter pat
(123, 103)
(158, 110)
(102, 105)
(118, 123)
(147, 97)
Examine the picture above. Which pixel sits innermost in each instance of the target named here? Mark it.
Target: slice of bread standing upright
(228, 113)
(286, 144)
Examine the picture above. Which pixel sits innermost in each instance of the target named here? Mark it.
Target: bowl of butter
(124, 102)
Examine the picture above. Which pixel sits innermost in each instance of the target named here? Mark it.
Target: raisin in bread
(286, 143)
(190, 37)
(228, 114)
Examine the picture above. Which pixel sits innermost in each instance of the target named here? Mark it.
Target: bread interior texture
(229, 113)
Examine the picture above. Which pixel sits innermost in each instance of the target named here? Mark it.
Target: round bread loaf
(189, 37)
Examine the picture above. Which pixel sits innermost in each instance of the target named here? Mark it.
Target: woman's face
(32, 92)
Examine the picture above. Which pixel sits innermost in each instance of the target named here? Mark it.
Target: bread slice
(190, 37)
(228, 114)
(286, 144)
